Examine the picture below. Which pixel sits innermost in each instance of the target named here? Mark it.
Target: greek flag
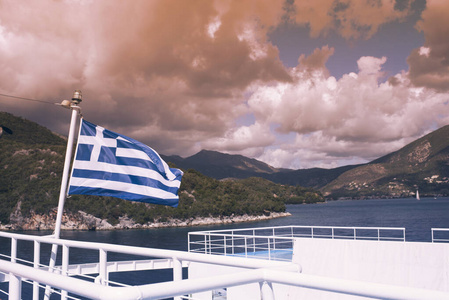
(111, 164)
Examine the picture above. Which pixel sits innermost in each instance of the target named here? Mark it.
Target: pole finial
(77, 97)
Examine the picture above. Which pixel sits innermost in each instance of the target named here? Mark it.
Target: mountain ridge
(422, 164)
(221, 165)
(397, 174)
(401, 172)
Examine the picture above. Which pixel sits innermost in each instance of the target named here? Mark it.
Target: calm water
(417, 217)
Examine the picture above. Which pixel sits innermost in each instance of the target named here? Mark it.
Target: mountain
(31, 164)
(314, 177)
(422, 164)
(219, 166)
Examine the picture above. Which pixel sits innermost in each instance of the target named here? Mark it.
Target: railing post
(266, 290)
(225, 246)
(65, 267)
(177, 272)
(51, 268)
(36, 263)
(269, 249)
(209, 243)
(254, 240)
(232, 241)
(246, 249)
(15, 282)
(188, 242)
(103, 272)
(15, 287)
(13, 249)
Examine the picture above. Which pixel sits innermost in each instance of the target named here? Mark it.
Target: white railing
(15, 269)
(263, 272)
(440, 235)
(276, 243)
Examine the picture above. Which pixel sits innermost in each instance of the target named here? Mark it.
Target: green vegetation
(31, 163)
(200, 196)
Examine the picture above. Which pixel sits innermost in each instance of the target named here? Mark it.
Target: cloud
(318, 151)
(168, 42)
(354, 119)
(352, 19)
(178, 68)
(178, 74)
(244, 138)
(429, 65)
(316, 61)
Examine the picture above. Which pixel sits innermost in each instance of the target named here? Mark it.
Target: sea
(416, 216)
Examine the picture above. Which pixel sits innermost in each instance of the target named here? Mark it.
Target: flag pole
(76, 99)
(73, 105)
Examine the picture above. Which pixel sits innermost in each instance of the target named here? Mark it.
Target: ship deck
(224, 263)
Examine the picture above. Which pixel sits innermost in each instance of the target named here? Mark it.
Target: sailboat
(417, 195)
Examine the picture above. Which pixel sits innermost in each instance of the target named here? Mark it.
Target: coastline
(84, 221)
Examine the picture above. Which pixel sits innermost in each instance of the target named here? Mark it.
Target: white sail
(417, 195)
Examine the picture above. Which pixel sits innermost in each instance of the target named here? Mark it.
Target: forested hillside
(31, 163)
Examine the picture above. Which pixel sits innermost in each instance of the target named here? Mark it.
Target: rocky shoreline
(84, 221)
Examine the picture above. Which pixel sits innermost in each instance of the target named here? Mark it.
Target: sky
(295, 84)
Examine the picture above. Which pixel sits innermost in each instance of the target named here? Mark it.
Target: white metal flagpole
(73, 105)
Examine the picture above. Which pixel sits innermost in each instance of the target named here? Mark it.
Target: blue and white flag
(110, 164)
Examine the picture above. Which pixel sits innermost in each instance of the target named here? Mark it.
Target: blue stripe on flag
(111, 164)
(139, 180)
(158, 162)
(122, 195)
(125, 144)
(136, 163)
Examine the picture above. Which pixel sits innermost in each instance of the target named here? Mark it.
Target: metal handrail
(265, 276)
(232, 232)
(258, 271)
(250, 240)
(174, 257)
(434, 240)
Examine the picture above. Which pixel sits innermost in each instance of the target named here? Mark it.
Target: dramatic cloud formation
(183, 76)
(429, 65)
(350, 18)
(339, 119)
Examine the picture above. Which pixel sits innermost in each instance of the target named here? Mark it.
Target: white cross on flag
(110, 164)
